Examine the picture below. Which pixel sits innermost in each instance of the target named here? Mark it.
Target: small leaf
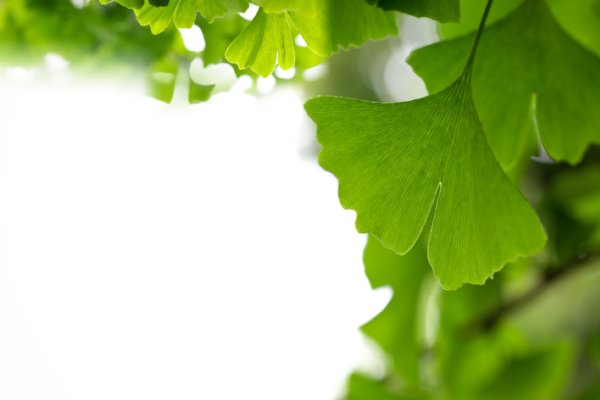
(325, 25)
(396, 162)
(199, 93)
(363, 387)
(525, 58)
(441, 10)
(183, 12)
(395, 328)
(162, 79)
(267, 40)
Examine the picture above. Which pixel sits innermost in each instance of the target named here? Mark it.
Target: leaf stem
(484, 17)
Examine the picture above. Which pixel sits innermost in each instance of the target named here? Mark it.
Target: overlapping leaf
(267, 40)
(398, 162)
(441, 10)
(500, 363)
(395, 328)
(326, 26)
(526, 62)
(578, 191)
(183, 12)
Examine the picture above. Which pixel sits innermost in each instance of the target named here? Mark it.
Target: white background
(171, 252)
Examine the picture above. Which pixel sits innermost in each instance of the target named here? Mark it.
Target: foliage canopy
(436, 182)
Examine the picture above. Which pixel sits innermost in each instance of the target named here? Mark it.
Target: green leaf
(338, 24)
(267, 40)
(326, 26)
(363, 387)
(126, 3)
(580, 19)
(393, 160)
(441, 10)
(277, 6)
(578, 192)
(395, 328)
(498, 362)
(199, 93)
(539, 375)
(465, 360)
(572, 303)
(162, 79)
(183, 12)
(525, 59)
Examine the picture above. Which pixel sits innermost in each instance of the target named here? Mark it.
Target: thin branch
(491, 320)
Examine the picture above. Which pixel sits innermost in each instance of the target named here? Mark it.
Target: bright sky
(172, 252)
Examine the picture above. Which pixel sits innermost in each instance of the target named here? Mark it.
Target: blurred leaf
(523, 58)
(362, 387)
(199, 93)
(326, 26)
(500, 363)
(580, 20)
(576, 17)
(126, 3)
(94, 36)
(393, 160)
(278, 6)
(183, 12)
(537, 375)
(466, 360)
(218, 35)
(578, 191)
(267, 40)
(395, 328)
(566, 308)
(441, 10)
(470, 15)
(162, 79)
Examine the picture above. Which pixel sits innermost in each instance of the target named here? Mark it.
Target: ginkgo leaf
(441, 10)
(183, 12)
(525, 62)
(398, 162)
(265, 41)
(326, 26)
(395, 328)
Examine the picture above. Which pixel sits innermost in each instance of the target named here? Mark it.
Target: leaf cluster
(491, 255)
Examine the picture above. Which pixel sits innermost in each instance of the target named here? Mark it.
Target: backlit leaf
(526, 63)
(326, 26)
(183, 12)
(398, 162)
(266, 41)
